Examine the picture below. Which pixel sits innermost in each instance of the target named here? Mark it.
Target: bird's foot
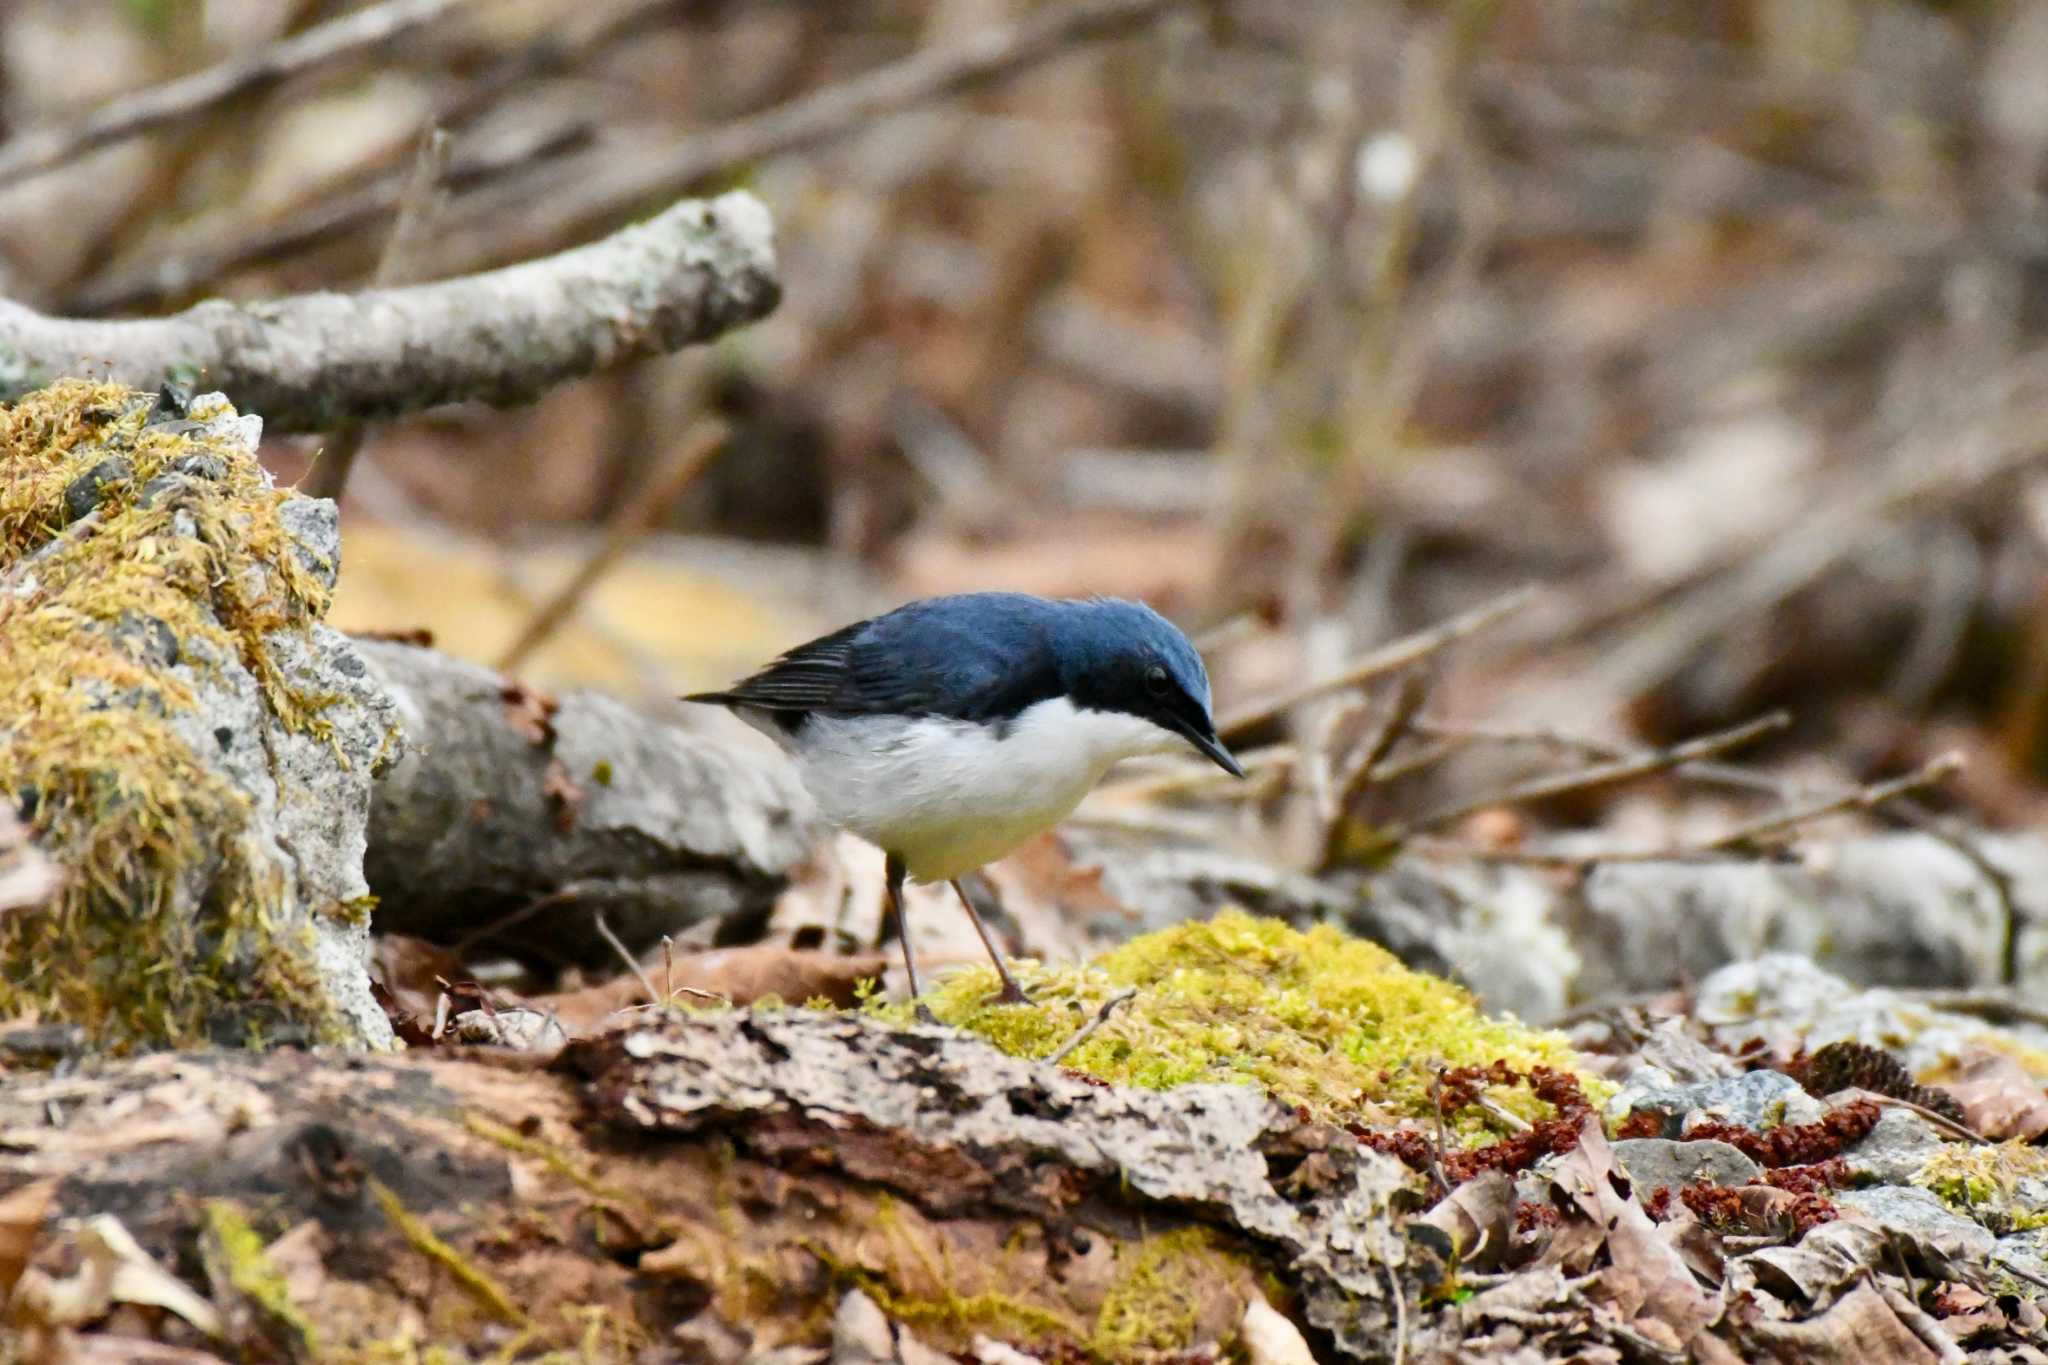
(925, 1015)
(1011, 994)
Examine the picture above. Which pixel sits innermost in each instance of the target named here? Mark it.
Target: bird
(954, 729)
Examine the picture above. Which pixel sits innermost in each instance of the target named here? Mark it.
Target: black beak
(1205, 740)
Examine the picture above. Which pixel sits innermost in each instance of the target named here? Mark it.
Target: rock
(1755, 1100)
(1791, 1004)
(988, 1351)
(1654, 1162)
(1939, 1233)
(1269, 1338)
(1895, 1150)
(860, 1333)
(204, 749)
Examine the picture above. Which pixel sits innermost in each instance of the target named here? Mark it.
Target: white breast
(948, 796)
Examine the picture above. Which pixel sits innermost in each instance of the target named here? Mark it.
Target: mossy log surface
(651, 1185)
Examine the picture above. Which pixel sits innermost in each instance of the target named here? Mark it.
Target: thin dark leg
(895, 873)
(1012, 993)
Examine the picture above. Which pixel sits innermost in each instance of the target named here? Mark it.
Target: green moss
(1320, 1020)
(252, 1274)
(118, 569)
(1987, 1184)
(479, 1286)
(1155, 1304)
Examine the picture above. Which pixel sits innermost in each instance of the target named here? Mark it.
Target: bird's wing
(908, 662)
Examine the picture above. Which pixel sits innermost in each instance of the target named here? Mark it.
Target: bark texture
(314, 361)
(511, 803)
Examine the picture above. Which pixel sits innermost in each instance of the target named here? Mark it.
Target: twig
(1599, 774)
(1400, 1314)
(1088, 1029)
(2011, 915)
(1379, 662)
(225, 247)
(1392, 727)
(421, 202)
(40, 149)
(1732, 843)
(1861, 798)
(646, 983)
(621, 185)
(635, 520)
(312, 361)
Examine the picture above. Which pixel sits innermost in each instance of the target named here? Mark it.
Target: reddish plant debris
(1640, 1123)
(1530, 1216)
(1406, 1145)
(1715, 1205)
(1799, 1144)
(1658, 1203)
(1809, 1211)
(1816, 1179)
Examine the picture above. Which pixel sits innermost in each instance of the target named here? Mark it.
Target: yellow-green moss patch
(1156, 1302)
(250, 1271)
(1320, 1020)
(138, 559)
(2002, 1185)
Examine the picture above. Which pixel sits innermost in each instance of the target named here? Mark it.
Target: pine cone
(1840, 1066)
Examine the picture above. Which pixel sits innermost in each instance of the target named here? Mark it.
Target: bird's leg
(895, 872)
(1012, 993)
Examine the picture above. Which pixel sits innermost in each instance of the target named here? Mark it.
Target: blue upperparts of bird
(952, 730)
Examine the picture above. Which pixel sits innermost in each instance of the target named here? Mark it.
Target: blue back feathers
(987, 656)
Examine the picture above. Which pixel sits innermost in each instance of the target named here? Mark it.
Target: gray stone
(1895, 1150)
(1938, 1232)
(307, 792)
(1756, 1100)
(1654, 1162)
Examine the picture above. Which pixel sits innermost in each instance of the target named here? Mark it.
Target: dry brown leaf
(741, 975)
(22, 1213)
(412, 969)
(1479, 1218)
(1646, 1281)
(1860, 1329)
(1825, 1261)
(111, 1268)
(1999, 1098)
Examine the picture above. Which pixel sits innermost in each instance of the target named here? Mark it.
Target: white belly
(948, 796)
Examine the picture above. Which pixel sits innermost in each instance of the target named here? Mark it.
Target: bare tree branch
(313, 361)
(40, 149)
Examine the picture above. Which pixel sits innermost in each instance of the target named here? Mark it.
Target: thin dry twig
(1868, 797)
(633, 963)
(1733, 843)
(1382, 661)
(41, 149)
(1598, 774)
(1087, 1030)
(635, 520)
(621, 185)
(418, 207)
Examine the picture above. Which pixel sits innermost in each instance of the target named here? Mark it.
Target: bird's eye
(1156, 681)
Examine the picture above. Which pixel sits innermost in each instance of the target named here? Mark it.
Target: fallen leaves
(1997, 1096)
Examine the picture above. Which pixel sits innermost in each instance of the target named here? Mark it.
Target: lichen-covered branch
(312, 361)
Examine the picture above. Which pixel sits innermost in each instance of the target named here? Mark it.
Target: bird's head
(1124, 657)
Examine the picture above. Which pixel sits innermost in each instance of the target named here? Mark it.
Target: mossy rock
(1332, 1024)
(182, 736)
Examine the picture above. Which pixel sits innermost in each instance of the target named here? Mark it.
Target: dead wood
(516, 818)
(313, 361)
(751, 1167)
